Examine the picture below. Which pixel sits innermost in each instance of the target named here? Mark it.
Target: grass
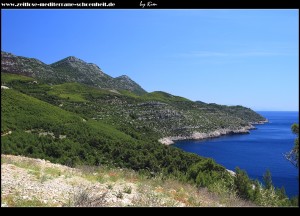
(77, 92)
(93, 173)
(30, 165)
(49, 173)
(29, 111)
(7, 78)
(34, 168)
(105, 174)
(55, 172)
(16, 201)
(163, 97)
(72, 97)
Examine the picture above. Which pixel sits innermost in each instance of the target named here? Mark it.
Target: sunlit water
(256, 152)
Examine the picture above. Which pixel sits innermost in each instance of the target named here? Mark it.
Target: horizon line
(275, 110)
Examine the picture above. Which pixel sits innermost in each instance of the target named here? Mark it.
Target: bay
(256, 152)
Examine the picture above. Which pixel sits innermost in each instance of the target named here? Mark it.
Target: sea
(262, 149)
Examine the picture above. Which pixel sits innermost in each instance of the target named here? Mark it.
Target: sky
(229, 57)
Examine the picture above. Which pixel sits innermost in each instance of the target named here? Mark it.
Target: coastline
(214, 134)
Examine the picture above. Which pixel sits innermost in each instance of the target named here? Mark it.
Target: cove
(256, 152)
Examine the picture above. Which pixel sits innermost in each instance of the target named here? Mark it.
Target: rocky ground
(35, 182)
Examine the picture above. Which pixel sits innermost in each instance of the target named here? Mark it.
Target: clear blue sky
(231, 57)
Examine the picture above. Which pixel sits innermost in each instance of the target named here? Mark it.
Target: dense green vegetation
(295, 151)
(75, 124)
(264, 195)
(158, 114)
(41, 130)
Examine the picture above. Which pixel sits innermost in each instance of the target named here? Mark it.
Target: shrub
(127, 189)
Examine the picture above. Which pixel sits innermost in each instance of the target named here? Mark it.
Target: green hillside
(42, 130)
(75, 124)
(158, 114)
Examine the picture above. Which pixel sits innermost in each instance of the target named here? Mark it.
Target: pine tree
(242, 183)
(268, 179)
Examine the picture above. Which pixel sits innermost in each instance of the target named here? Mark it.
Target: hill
(70, 69)
(159, 114)
(75, 123)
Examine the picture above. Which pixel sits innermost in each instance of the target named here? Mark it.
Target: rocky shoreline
(213, 134)
(259, 122)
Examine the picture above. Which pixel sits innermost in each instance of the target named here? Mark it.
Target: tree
(242, 183)
(293, 155)
(268, 179)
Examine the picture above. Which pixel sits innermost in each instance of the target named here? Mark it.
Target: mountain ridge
(69, 69)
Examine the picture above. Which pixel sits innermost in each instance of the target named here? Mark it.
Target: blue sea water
(256, 152)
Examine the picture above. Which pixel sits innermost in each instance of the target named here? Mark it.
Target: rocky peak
(70, 69)
(71, 60)
(124, 78)
(124, 82)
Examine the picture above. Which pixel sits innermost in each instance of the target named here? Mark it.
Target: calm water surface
(256, 152)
